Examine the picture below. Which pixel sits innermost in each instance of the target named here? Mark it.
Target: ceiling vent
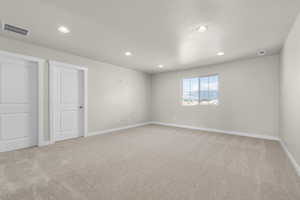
(15, 29)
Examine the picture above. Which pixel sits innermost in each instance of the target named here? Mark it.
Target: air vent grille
(15, 29)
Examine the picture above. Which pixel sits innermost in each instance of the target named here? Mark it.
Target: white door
(67, 101)
(18, 103)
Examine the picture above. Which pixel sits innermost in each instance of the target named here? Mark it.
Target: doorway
(68, 101)
(21, 101)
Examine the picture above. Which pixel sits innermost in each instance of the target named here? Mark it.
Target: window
(190, 91)
(202, 90)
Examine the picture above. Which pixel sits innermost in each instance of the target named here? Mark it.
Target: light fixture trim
(128, 53)
(160, 66)
(220, 53)
(202, 28)
(63, 29)
(261, 52)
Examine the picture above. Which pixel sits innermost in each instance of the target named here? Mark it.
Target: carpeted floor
(150, 162)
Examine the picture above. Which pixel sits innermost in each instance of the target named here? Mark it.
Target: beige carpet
(150, 162)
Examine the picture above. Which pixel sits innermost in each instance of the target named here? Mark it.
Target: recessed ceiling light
(261, 53)
(128, 53)
(202, 29)
(160, 66)
(220, 53)
(63, 29)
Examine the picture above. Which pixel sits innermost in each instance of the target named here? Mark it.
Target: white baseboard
(184, 126)
(291, 157)
(117, 129)
(44, 143)
(266, 137)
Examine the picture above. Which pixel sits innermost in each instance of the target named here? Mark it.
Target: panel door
(18, 104)
(68, 109)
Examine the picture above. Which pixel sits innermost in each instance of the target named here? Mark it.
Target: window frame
(199, 86)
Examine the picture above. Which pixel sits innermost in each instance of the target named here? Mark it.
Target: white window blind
(190, 91)
(201, 90)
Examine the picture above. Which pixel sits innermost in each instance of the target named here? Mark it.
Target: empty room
(150, 100)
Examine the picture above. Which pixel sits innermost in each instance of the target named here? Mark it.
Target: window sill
(200, 104)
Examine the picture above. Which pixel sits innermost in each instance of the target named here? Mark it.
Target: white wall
(290, 92)
(120, 97)
(117, 96)
(249, 97)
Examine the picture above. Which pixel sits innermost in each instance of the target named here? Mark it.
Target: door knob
(80, 107)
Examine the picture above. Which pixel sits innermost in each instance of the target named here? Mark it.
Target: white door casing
(68, 101)
(20, 102)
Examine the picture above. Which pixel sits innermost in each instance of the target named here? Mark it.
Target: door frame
(84, 70)
(40, 91)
